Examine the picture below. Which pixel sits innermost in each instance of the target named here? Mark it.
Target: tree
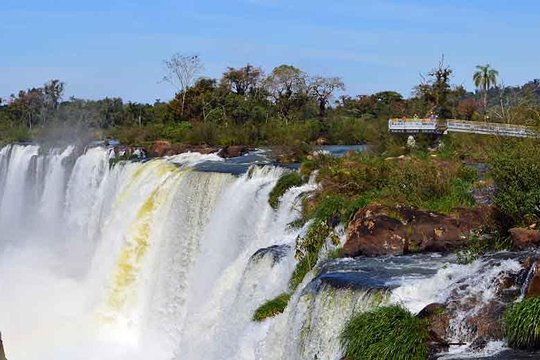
(53, 91)
(182, 70)
(466, 108)
(484, 78)
(284, 84)
(436, 88)
(28, 106)
(243, 81)
(322, 88)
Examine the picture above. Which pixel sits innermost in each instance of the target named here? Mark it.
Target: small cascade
(470, 293)
(310, 326)
(528, 279)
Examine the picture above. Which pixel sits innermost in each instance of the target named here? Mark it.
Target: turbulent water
(136, 261)
(157, 260)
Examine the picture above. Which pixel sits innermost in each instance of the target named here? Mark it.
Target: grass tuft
(284, 183)
(386, 333)
(522, 324)
(272, 307)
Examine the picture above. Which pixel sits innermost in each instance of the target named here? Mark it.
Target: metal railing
(438, 126)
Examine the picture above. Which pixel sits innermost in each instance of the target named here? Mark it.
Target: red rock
(233, 151)
(160, 148)
(523, 238)
(380, 230)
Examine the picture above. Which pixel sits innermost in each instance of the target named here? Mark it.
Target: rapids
(168, 259)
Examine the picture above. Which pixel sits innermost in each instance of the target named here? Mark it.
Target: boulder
(233, 151)
(438, 319)
(276, 252)
(523, 238)
(487, 324)
(160, 148)
(381, 230)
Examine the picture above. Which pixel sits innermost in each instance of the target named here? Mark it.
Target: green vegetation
(522, 324)
(484, 78)
(287, 108)
(308, 248)
(354, 181)
(285, 182)
(479, 244)
(272, 307)
(357, 180)
(515, 168)
(300, 271)
(386, 333)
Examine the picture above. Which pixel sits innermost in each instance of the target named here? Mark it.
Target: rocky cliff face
(382, 230)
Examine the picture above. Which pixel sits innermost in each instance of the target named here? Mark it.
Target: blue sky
(116, 47)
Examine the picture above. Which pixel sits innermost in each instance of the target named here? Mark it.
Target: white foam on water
(137, 260)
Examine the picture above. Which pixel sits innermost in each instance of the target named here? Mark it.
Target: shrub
(522, 324)
(386, 333)
(515, 168)
(285, 182)
(272, 307)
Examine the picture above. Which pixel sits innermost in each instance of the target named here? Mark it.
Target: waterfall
(136, 260)
(158, 260)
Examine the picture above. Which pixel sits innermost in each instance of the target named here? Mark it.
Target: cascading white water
(158, 261)
(136, 261)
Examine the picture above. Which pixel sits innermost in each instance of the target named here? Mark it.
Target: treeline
(247, 106)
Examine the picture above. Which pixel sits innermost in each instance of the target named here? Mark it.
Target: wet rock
(381, 230)
(164, 148)
(475, 320)
(277, 252)
(533, 289)
(233, 151)
(523, 238)
(438, 319)
(486, 324)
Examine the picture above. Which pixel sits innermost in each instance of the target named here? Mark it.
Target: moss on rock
(272, 307)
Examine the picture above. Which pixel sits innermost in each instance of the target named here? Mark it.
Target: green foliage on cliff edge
(522, 324)
(272, 307)
(386, 333)
(421, 182)
(308, 247)
(285, 182)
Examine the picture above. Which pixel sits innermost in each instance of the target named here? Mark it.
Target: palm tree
(484, 78)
